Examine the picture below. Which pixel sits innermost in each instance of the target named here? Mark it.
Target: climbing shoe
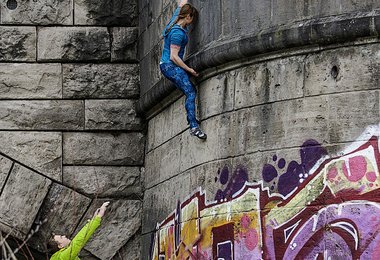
(198, 133)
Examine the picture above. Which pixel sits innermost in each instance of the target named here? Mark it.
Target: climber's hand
(193, 72)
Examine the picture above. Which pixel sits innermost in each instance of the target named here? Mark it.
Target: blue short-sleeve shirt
(176, 35)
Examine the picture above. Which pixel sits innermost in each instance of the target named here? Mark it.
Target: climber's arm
(174, 50)
(80, 240)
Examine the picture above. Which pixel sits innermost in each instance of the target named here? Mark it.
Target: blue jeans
(181, 79)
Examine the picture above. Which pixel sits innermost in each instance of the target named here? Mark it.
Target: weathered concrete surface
(100, 81)
(28, 81)
(352, 111)
(102, 12)
(103, 148)
(175, 116)
(276, 80)
(156, 162)
(221, 89)
(73, 44)
(117, 114)
(159, 202)
(146, 239)
(42, 151)
(42, 115)
(61, 210)
(124, 44)
(341, 70)
(22, 196)
(5, 166)
(256, 113)
(45, 12)
(17, 43)
(120, 223)
(103, 181)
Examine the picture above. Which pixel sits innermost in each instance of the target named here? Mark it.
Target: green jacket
(79, 241)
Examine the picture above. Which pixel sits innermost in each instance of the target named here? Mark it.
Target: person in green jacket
(69, 249)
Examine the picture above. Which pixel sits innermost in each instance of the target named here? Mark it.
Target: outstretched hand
(182, 2)
(100, 211)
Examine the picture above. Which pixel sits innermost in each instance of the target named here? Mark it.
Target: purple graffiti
(224, 176)
(269, 172)
(235, 183)
(310, 152)
(281, 163)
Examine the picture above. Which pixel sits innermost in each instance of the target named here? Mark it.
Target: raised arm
(80, 239)
(182, 2)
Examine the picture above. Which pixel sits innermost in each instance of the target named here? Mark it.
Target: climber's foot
(198, 133)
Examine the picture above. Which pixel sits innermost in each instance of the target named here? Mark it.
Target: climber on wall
(172, 65)
(69, 249)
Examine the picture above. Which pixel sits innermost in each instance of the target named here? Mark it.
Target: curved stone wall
(229, 31)
(291, 165)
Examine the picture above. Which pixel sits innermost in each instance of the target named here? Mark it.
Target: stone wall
(70, 136)
(290, 100)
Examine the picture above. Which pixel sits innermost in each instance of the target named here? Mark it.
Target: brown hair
(52, 246)
(186, 9)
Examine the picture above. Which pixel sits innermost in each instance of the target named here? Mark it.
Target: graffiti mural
(332, 213)
(310, 153)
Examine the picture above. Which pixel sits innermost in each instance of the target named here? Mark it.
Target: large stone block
(103, 148)
(28, 81)
(111, 115)
(267, 82)
(103, 181)
(41, 151)
(350, 113)
(221, 142)
(21, 199)
(216, 95)
(124, 44)
(17, 43)
(100, 80)
(61, 212)
(281, 124)
(175, 116)
(5, 166)
(41, 115)
(73, 44)
(42, 12)
(102, 12)
(121, 221)
(341, 70)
